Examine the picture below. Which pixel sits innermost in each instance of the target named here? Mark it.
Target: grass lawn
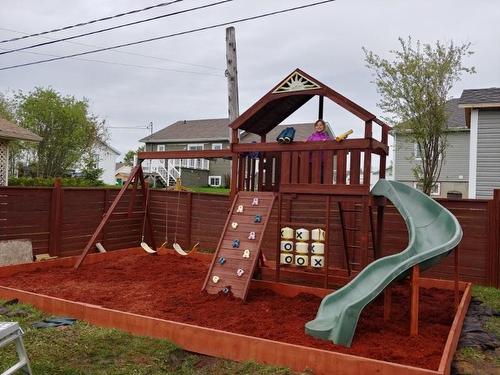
(474, 360)
(85, 349)
(208, 189)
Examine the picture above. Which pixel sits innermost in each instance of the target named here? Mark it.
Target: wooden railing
(308, 167)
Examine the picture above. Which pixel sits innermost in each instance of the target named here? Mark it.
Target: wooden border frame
(231, 345)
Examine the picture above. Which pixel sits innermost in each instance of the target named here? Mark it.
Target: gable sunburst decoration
(296, 82)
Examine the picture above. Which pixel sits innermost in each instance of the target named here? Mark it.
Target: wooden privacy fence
(60, 221)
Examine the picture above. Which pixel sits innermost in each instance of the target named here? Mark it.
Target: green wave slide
(433, 233)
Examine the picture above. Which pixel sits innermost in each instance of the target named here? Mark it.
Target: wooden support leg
(327, 241)
(372, 231)
(344, 239)
(415, 276)
(133, 176)
(278, 239)
(387, 303)
(364, 232)
(380, 231)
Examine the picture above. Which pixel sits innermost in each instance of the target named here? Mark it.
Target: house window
(416, 152)
(160, 147)
(215, 180)
(216, 146)
(435, 191)
(196, 163)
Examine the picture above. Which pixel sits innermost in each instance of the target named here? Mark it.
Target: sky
(182, 78)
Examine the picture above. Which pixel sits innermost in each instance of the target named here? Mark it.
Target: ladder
(238, 250)
(12, 332)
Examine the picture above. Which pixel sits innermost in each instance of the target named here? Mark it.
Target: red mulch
(168, 287)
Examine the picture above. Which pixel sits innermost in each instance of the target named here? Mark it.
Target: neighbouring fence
(60, 221)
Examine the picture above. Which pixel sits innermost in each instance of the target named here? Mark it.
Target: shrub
(49, 181)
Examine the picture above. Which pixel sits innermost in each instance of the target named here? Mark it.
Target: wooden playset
(267, 178)
(337, 171)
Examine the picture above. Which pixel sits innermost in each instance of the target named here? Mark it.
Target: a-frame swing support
(136, 176)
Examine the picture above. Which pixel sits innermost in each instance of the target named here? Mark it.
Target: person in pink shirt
(320, 133)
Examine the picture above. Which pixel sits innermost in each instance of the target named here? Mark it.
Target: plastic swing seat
(147, 248)
(181, 251)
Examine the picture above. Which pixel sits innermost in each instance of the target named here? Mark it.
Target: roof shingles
(9, 130)
(217, 129)
(208, 129)
(480, 96)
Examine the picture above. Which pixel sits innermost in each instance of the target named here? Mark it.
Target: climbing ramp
(433, 233)
(238, 250)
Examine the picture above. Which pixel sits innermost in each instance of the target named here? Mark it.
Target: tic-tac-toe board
(239, 247)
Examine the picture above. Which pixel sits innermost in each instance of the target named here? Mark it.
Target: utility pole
(233, 102)
(232, 75)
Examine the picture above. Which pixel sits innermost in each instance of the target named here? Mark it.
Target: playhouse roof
(288, 96)
(9, 130)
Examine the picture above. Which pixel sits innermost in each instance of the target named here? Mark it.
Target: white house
(482, 116)
(105, 156)
(471, 165)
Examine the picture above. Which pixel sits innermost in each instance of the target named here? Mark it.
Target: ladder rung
(19, 365)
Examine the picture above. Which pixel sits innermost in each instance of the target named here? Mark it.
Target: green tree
(128, 159)
(6, 108)
(91, 171)
(414, 87)
(68, 129)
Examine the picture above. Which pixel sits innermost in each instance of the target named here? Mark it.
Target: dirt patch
(168, 287)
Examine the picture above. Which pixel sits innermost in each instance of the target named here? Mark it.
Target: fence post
(189, 218)
(495, 238)
(55, 219)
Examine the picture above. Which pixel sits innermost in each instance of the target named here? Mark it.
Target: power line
(132, 65)
(128, 127)
(91, 21)
(115, 27)
(116, 51)
(169, 35)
